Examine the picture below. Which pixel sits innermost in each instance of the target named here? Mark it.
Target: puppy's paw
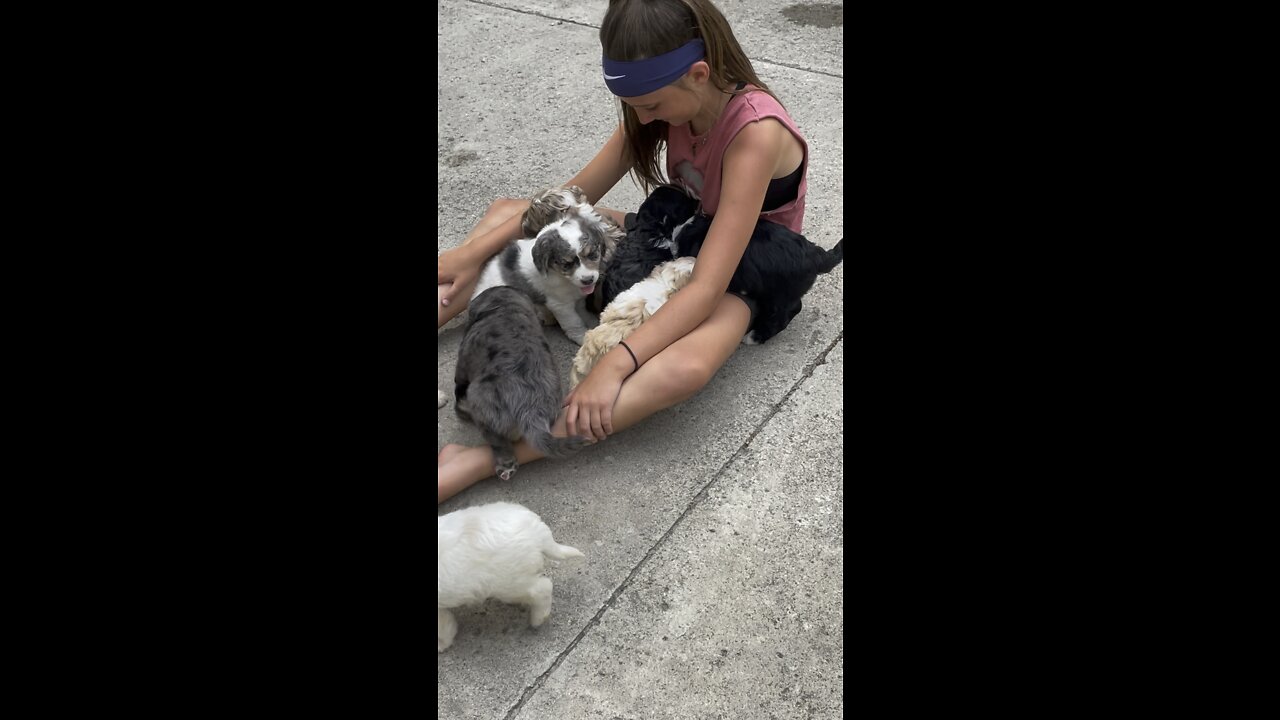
(750, 338)
(539, 615)
(505, 468)
(441, 399)
(446, 629)
(576, 336)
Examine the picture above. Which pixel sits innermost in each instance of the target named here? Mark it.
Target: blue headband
(633, 79)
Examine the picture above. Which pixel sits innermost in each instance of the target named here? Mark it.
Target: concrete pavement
(713, 582)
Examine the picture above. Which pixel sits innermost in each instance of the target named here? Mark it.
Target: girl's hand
(590, 404)
(457, 270)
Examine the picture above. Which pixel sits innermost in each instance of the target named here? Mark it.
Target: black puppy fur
(506, 382)
(648, 243)
(777, 269)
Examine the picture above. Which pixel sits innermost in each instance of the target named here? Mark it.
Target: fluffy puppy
(493, 551)
(648, 242)
(547, 206)
(777, 269)
(558, 268)
(506, 382)
(630, 308)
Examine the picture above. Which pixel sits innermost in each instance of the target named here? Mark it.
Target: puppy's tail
(833, 257)
(556, 551)
(552, 446)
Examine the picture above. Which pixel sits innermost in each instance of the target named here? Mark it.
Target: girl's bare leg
(670, 377)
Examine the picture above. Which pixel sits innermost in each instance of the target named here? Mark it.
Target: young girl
(683, 82)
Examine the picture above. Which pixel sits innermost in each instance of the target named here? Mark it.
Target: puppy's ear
(612, 236)
(529, 223)
(538, 214)
(542, 253)
(600, 239)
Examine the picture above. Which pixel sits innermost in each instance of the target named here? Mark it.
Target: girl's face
(672, 104)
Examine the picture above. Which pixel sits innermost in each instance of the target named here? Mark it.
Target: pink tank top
(699, 172)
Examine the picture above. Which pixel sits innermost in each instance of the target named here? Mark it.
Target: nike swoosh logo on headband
(613, 77)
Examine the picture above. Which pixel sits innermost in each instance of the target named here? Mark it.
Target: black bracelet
(624, 344)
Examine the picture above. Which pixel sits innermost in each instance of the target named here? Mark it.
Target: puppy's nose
(588, 279)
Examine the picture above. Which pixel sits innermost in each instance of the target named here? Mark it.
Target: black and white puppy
(506, 382)
(648, 242)
(777, 269)
(558, 268)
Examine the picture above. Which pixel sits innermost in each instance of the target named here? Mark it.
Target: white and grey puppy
(497, 551)
(547, 206)
(627, 311)
(506, 382)
(558, 268)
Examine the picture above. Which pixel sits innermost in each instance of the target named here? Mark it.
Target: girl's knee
(683, 376)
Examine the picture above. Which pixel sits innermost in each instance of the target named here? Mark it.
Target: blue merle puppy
(506, 382)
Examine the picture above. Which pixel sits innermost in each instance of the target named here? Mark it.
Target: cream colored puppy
(498, 551)
(630, 308)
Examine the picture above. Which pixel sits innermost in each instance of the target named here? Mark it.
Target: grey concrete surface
(713, 531)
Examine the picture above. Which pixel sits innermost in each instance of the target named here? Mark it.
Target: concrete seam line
(530, 12)
(797, 67)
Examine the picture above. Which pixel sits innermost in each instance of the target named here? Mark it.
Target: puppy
(777, 269)
(648, 242)
(493, 551)
(547, 206)
(630, 308)
(557, 268)
(506, 382)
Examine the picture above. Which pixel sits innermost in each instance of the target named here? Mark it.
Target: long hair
(640, 29)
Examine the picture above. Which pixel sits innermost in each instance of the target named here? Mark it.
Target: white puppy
(493, 551)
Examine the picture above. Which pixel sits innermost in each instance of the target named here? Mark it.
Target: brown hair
(640, 29)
